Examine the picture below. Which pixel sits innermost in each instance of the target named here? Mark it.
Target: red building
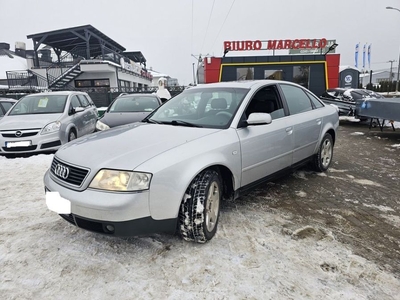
(316, 72)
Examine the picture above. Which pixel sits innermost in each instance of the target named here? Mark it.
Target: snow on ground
(353, 119)
(256, 254)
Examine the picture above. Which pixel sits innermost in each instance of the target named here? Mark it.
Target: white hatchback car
(43, 122)
(170, 172)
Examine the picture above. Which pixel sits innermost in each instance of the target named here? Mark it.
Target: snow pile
(258, 253)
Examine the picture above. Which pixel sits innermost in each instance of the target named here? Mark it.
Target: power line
(223, 24)
(208, 24)
(192, 26)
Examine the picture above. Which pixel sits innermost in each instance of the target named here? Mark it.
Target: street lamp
(331, 48)
(398, 67)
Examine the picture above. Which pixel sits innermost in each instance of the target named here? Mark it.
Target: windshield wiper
(150, 121)
(184, 123)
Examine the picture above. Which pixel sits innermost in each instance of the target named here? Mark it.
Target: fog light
(110, 228)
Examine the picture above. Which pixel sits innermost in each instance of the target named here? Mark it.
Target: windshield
(134, 104)
(201, 107)
(43, 104)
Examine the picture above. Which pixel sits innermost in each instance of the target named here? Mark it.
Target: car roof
(139, 95)
(8, 99)
(66, 93)
(248, 84)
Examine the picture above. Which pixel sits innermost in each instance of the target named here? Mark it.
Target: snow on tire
(200, 207)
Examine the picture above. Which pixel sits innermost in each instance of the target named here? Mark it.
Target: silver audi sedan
(43, 122)
(170, 172)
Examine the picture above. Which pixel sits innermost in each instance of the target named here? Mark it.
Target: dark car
(5, 105)
(127, 109)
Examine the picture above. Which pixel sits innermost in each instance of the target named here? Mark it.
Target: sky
(258, 253)
(172, 34)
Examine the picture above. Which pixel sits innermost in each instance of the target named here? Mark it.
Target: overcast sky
(169, 32)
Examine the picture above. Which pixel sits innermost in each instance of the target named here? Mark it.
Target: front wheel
(200, 207)
(71, 136)
(323, 158)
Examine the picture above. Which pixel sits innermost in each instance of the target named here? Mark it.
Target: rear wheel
(323, 158)
(200, 207)
(71, 135)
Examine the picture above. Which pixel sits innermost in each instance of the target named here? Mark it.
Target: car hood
(128, 146)
(117, 119)
(27, 121)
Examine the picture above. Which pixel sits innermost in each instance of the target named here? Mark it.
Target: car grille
(50, 145)
(20, 133)
(68, 173)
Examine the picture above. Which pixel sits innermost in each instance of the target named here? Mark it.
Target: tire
(71, 135)
(200, 208)
(323, 158)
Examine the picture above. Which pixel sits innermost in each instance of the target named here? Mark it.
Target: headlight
(49, 128)
(114, 180)
(101, 126)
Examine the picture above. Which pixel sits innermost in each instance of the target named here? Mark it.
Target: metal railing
(26, 79)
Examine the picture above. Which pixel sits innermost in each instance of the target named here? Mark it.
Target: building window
(245, 73)
(301, 75)
(102, 82)
(92, 83)
(273, 74)
(83, 83)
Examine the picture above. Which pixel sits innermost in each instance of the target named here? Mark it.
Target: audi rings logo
(18, 133)
(61, 171)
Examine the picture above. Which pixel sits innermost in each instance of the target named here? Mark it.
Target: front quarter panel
(175, 169)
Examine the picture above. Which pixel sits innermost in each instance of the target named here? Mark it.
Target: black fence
(102, 97)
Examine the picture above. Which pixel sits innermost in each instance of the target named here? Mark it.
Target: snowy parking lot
(260, 252)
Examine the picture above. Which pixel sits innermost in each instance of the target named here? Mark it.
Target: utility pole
(398, 72)
(398, 67)
(390, 74)
(194, 77)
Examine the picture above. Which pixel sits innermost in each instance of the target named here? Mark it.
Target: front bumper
(37, 143)
(102, 205)
(113, 213)
(142, 226)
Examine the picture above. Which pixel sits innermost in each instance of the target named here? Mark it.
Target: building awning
(74, 38)
(135, 56)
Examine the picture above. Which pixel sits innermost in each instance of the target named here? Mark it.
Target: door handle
(289, 130)
(318, 121)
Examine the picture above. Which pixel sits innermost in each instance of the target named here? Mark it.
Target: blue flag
(364, 49)
(356, 55)
(369, 56)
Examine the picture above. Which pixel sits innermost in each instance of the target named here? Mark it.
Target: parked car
(345, 99)
(171, 171)
(5, 105)
(45, 121)
(128, 109)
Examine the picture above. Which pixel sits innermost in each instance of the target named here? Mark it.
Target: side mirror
(259, 119)
(73, 111)
(79, 109)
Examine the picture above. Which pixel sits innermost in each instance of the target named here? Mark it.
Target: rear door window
(296, 99)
